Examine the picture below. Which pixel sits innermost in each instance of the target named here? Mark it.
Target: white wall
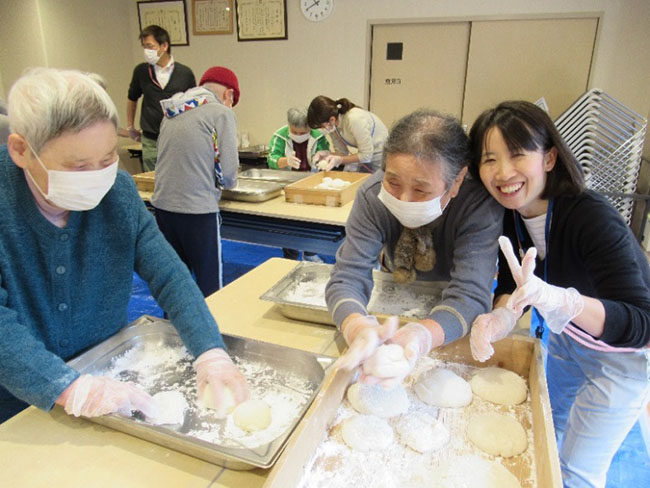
(318, 58)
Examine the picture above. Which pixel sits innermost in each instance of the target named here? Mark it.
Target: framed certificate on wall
(261, 20)
(212, 17)
(168, 14)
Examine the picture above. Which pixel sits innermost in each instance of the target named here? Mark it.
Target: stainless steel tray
(300, 295)
(266, 174)
(248, 190)
(150, 353)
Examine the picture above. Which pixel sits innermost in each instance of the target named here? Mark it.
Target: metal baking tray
(280, 175)
(269, 369)
(248, 190)
(300, 295)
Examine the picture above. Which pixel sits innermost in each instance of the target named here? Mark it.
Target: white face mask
(299, 138)
(151, 56)
(411, 214)
(328, 129)
(77, 190)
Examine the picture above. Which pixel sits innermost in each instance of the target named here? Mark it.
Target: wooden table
(39, 449)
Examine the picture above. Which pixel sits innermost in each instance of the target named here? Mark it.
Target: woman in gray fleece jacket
(422, 185)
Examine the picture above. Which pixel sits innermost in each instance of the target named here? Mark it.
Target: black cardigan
(591, 249)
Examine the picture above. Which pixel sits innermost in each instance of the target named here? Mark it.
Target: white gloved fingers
(388, 328)
(320, 155)
(511, 259)
(528, 264)
(481, 348)
(238, 385)
(363, 346)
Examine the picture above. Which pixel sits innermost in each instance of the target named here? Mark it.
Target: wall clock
(316, 10)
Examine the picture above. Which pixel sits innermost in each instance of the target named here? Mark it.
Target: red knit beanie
(222, 76)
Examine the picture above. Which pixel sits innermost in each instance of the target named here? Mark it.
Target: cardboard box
(305, 191)
(522, 355)
(144, 181)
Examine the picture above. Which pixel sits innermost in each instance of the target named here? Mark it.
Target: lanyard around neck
(372, 132)
(539, 331)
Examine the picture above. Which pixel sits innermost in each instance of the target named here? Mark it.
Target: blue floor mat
(630, 467)
(238, 259)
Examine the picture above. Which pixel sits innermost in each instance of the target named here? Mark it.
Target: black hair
(322, 108)
(159, 34)
(526, 126)
(430, 136)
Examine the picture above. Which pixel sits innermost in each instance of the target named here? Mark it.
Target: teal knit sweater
(63, 290)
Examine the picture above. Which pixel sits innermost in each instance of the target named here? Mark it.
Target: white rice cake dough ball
(443, 388)
(387, 362)
(497, 434)
(377, 400)
(421, 432)
(500, 386)
(366, 433)
(228, 402)
(471, 470)
(252, 415)
(172, 406)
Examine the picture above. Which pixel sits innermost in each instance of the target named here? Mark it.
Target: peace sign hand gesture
(557, 305)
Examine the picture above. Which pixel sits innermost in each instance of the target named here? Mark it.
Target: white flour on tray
(335, 465)
(156, 368)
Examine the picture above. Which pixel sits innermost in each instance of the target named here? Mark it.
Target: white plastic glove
(215, 369)
(329, 163)
(322, 154)
(293, 161)
(557, 305)
(92, 396)
(416, 340)
(134, 133)
(488, 328)
(388, 366)
(364, 335)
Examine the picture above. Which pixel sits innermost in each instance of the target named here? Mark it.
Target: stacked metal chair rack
(607, 139)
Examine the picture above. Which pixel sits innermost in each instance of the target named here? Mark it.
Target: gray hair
(430, 137)
(99, 79)
(44, 103)
(297, 117)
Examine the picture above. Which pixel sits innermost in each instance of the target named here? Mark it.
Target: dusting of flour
(335, 465)
(160, 367)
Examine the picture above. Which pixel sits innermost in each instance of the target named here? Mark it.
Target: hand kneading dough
(443, 388)
(498, 385)
(171, 408)
(366, 432)
(497, 434)
(252, 415)
(377, 400)
(421, 432)
(387, 362)
(228, 402)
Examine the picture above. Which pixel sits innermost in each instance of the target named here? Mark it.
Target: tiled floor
(630, 467)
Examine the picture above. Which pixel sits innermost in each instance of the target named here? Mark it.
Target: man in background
(197, 158)
(155, 80)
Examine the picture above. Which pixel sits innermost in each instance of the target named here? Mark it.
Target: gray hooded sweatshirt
(197, 153)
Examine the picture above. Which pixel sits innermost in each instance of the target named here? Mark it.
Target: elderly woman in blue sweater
(73, 232)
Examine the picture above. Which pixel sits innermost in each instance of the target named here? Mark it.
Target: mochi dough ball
(497, 434)
(500, 386)
(366, 432)
(387, 362)
(472, 470)
(252, 415)
(377, 400)
(172, 406)
(443, 388)
(421, 432)
(228, 402)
